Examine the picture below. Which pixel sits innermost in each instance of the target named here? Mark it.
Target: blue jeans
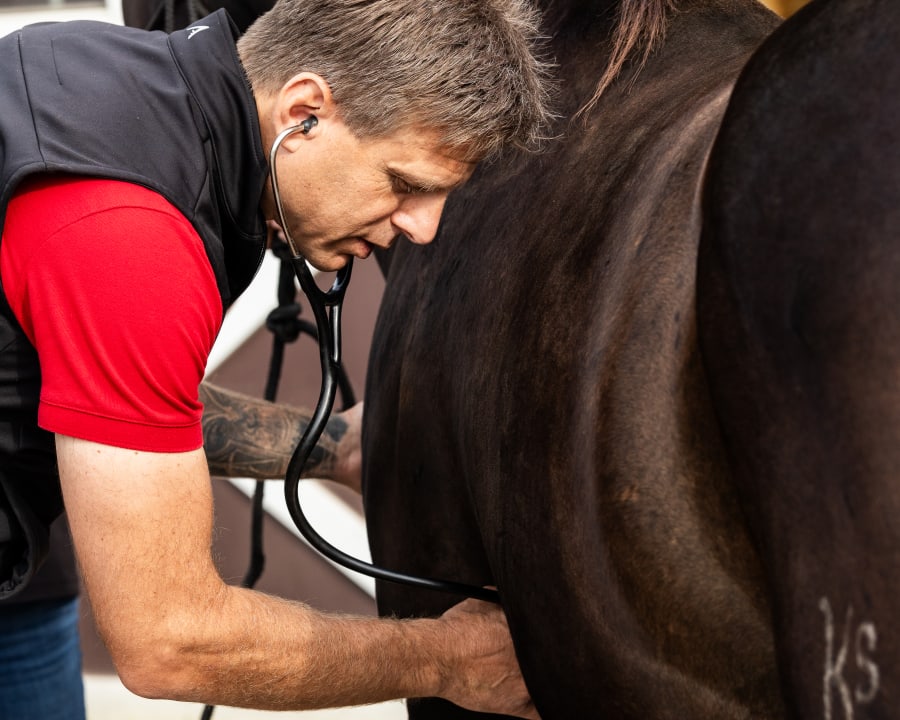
(40, 661)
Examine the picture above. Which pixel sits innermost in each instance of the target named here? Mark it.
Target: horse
(589, 391)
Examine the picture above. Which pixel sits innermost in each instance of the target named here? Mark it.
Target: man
(134, 187)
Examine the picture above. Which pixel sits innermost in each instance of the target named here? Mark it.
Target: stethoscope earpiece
(308, 124)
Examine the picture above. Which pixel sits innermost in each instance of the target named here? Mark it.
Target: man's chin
(329, 264)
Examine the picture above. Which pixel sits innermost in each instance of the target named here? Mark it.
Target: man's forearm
(253, 650)
(248, 437)
(282, 655)
(295, 657)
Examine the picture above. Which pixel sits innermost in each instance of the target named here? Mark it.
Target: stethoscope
(326, 307)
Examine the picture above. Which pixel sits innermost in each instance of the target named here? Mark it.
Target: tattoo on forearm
(248, 437)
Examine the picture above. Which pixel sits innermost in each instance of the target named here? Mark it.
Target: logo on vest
(195, 29)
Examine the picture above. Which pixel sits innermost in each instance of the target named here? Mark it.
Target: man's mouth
(362, 248)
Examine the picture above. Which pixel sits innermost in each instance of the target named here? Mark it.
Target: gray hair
(470, 69)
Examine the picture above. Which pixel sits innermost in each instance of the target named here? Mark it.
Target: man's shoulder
(45, 205)
(74, 197)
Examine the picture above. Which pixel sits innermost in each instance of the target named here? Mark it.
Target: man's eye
(401, 186)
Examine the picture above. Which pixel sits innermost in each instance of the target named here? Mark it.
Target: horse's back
(537, 414)
(799, 303)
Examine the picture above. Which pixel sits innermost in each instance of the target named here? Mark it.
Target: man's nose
(418, 216)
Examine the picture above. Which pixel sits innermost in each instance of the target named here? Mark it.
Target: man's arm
(142, 525)
(248, 437)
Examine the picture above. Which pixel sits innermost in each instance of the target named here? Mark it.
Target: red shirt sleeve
(113, 287)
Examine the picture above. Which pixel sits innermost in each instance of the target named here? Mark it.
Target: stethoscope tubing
(326, 307)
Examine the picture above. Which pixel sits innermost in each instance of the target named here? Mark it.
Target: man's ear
(305, 94)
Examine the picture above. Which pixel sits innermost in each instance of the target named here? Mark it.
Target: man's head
(407, 96)
(465, 68)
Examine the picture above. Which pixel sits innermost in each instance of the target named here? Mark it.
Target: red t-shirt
(113, 287)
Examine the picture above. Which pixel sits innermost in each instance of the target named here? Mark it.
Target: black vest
(173, 113)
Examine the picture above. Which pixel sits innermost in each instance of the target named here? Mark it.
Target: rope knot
(284, 322)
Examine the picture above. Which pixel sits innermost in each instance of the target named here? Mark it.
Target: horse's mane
(641, 25)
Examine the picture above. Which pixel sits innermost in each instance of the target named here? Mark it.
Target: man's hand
(244, 436)
(343, 447)
(486, 675)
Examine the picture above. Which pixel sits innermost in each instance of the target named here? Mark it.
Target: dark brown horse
(673, 532)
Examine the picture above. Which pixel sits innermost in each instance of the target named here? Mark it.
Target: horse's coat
(538, 413)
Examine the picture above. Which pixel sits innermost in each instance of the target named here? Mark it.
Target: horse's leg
(799, 307)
